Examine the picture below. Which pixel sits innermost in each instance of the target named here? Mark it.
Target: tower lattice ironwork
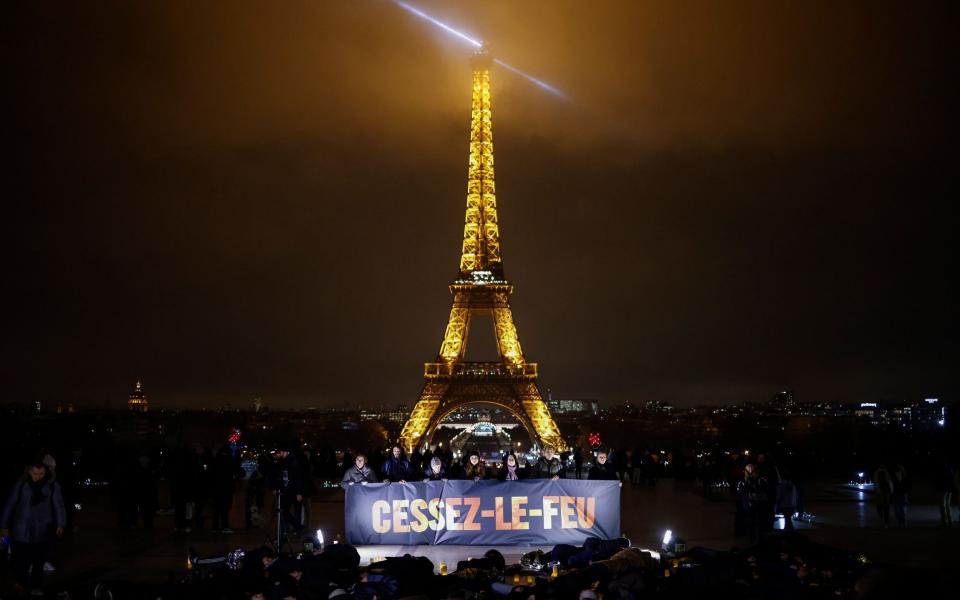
(480, 289)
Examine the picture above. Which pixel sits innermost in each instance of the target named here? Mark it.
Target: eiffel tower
(480, 289)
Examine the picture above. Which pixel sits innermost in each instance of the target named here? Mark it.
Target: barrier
(526, 512)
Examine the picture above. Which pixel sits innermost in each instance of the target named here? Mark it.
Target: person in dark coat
(182, 476)
(253, 496)
(548, 466)
(435, 471)
(901, 490)
(203, 485)
(602, 470)
(396, 468)
(510, 470)
(359, 472)
(751, 496)
(226, 472)
(32, 516)
(945, 486)
(145, 490)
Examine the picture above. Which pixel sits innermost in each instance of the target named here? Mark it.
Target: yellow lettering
(419, 524)
(498, 511)
(452, 514)
(470, 523)
(586, 517)
(517, 512)
(400, 516)
(380, 524)
(549, 510)
(567, 513)
(433, 507)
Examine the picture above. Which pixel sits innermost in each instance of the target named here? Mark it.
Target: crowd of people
(785, 565)
(436, 466)
(203, 485)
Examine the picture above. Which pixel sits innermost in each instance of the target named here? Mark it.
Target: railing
(480, 370)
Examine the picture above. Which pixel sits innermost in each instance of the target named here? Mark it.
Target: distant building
(928, 414)
(573, 406)
(783, 399)
(137, 402)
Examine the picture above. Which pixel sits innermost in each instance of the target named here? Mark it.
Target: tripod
(280, 516)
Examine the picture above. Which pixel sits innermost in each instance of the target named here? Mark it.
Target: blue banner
(530, 512)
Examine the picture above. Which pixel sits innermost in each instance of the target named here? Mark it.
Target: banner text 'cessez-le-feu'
(482, 512)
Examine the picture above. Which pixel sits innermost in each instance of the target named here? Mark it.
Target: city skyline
(711, 224)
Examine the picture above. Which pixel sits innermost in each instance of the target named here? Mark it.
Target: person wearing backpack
(33, 516)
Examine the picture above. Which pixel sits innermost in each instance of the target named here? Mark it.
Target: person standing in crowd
(226, 472)
(145, 491)
(901, 489)
(786, 498)
(510, 470)
(309, 488)
(548, 466)
(601, 469)
(359, 472)
(751, 495)
(883, 493)
(767, 476)
(123, 490)
(956, 488)
(203, 484)
(618, 461)
(396, 468)
(33, 514)
(253, 497)
(474, 469)
(435, 471)
(286, 483)
(946, 481)
(578, 461)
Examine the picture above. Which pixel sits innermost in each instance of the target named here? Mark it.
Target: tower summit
(481, 232)
(480, 289)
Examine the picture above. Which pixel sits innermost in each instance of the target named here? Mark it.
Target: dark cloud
(239, 199)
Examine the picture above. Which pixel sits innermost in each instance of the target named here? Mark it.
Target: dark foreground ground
(844, 517)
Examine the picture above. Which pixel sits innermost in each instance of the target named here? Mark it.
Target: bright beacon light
(537, 82)
(439, 24)
(667, 536)
(477, 44)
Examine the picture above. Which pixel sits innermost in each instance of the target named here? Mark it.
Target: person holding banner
(548, 465)
(510, 470)
(474, 469)
(435, 471)
(601, 470)
(396, 469)
(359, 472)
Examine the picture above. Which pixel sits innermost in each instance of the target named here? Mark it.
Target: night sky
(240, 199)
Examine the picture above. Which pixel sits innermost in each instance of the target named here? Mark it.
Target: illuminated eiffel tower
(480, 289)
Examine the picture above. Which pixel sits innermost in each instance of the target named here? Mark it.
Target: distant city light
(932, 400)
(868, 405)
